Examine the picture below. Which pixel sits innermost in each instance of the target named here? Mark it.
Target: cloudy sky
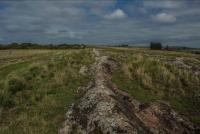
(174, 22)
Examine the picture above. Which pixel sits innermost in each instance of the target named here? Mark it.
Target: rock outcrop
(103, 109)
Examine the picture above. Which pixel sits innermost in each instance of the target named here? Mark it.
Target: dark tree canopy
(39, 46)
(156, 45)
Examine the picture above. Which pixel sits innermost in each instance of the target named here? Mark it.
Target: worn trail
(103, 109)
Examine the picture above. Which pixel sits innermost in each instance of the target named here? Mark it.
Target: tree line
(39, 46)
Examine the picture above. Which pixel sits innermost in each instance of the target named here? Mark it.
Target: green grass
(35, 98)
(35, 93)
(132, 87)
(13, 67)
(147, 78)
(196, 120)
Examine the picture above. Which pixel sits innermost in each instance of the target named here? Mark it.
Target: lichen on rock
(104, 109)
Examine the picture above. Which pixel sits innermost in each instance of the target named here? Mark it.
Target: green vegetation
(148, 76)
(6, 70)
(40, 46)
(156, 45)
(38, 86)
(35, 94)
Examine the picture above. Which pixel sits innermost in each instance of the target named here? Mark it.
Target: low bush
(15, 85)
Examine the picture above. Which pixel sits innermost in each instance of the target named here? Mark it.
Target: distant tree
(167, 47)
(156, 45)
(39, 46)
(122, 45)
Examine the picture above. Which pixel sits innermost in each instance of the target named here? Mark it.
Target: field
(38, 86)
(148, 75)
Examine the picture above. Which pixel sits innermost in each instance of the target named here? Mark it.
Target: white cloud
(93, 22)
(164, 17)
(117, 14)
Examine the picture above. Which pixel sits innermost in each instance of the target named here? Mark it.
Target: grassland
(150, 75)
(38, 86)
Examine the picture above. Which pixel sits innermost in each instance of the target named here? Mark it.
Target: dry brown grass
(148, 76)
(34, 97)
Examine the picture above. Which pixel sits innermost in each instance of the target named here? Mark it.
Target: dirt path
(103, 109)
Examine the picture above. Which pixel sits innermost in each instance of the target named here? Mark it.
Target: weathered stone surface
(103, 109)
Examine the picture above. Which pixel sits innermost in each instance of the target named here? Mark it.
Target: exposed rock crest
(103, 109)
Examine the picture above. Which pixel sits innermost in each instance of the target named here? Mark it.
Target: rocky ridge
(104, 109)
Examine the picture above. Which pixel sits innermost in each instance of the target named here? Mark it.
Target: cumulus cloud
(98, 22)
(164, 17)
(117, 14)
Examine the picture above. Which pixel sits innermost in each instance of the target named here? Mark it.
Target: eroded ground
(160, 75)
(103, 108)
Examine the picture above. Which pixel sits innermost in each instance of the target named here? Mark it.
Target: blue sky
(172, 22)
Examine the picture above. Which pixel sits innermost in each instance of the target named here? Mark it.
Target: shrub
(15, 85)
(6, 101)
(34, 71)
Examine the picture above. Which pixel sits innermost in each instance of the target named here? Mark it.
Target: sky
(137, 22)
